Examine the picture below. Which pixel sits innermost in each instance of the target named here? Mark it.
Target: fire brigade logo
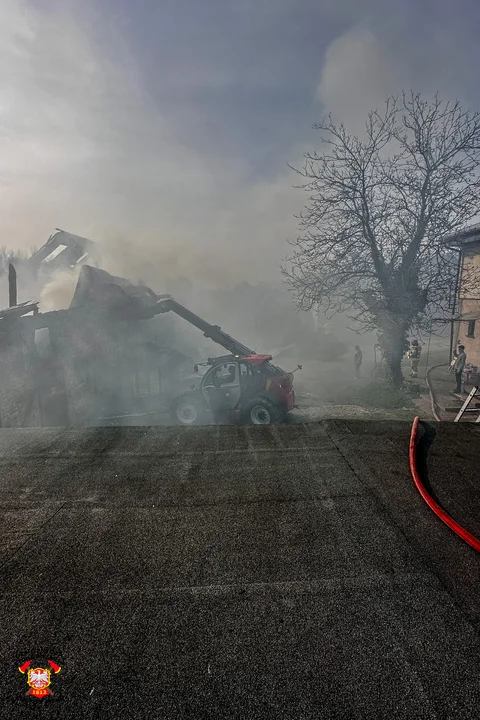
(39, 678)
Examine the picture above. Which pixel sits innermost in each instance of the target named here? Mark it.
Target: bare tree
(11, 256)
(371, 234)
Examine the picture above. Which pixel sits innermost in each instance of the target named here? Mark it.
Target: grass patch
(378, 395)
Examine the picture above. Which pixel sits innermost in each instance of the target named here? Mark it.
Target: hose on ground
(440, 512)
(433, 399)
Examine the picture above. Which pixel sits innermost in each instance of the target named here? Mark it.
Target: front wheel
(187, 410)
(261, 411)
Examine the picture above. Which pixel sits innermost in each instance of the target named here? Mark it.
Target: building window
(147, 383)
(471, 328)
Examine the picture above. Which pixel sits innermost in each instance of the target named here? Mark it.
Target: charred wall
(78, 367)
(19, 406)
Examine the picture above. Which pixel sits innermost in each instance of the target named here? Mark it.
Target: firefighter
(414, 355)
(459, 366)
(357, 360)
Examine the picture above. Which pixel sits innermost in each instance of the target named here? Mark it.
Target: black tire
(187, 409)
(261, 411)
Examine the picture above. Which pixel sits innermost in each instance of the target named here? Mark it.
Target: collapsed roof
(62, 249)
(19, 310)
(114, 295)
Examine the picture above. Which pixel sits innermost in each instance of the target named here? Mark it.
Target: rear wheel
(187, 410)
(262, 411)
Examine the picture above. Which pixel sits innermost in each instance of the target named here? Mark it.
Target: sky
(163, 128)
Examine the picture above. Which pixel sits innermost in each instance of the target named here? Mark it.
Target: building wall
(77, 337)
(469, 301)
(472, 344)
(88, 368)
(111, 367)
(100, 359)
(19, 403)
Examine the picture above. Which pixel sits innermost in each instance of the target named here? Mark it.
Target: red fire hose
(458, 529)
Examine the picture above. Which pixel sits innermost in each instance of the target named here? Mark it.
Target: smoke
(244, 239)
(356, 78)
(89, 145)
(85, 147)
(386, 47)
(57, 292)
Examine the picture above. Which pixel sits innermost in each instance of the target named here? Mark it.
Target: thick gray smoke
(86, 145)
(85, 148)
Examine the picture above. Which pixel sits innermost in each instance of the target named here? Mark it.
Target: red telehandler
(240, 387)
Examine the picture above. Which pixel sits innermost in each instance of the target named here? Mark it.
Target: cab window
(245, 373)
(221, 375)
(228, 373)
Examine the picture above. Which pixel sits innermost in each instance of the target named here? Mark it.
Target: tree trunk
(394, 368)
(393, 340)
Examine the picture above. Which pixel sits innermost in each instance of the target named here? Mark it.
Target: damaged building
(120, 353)
(62, 250)
(105, 359)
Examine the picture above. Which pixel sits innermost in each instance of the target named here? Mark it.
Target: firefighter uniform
(414, 356)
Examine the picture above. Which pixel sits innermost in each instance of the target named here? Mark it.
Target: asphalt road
(282, 572)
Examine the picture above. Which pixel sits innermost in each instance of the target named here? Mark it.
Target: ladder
(474, 392)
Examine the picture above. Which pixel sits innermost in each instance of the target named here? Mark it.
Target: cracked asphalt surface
(287, 571)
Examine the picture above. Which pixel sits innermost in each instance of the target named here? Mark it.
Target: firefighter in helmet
(414, 355)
